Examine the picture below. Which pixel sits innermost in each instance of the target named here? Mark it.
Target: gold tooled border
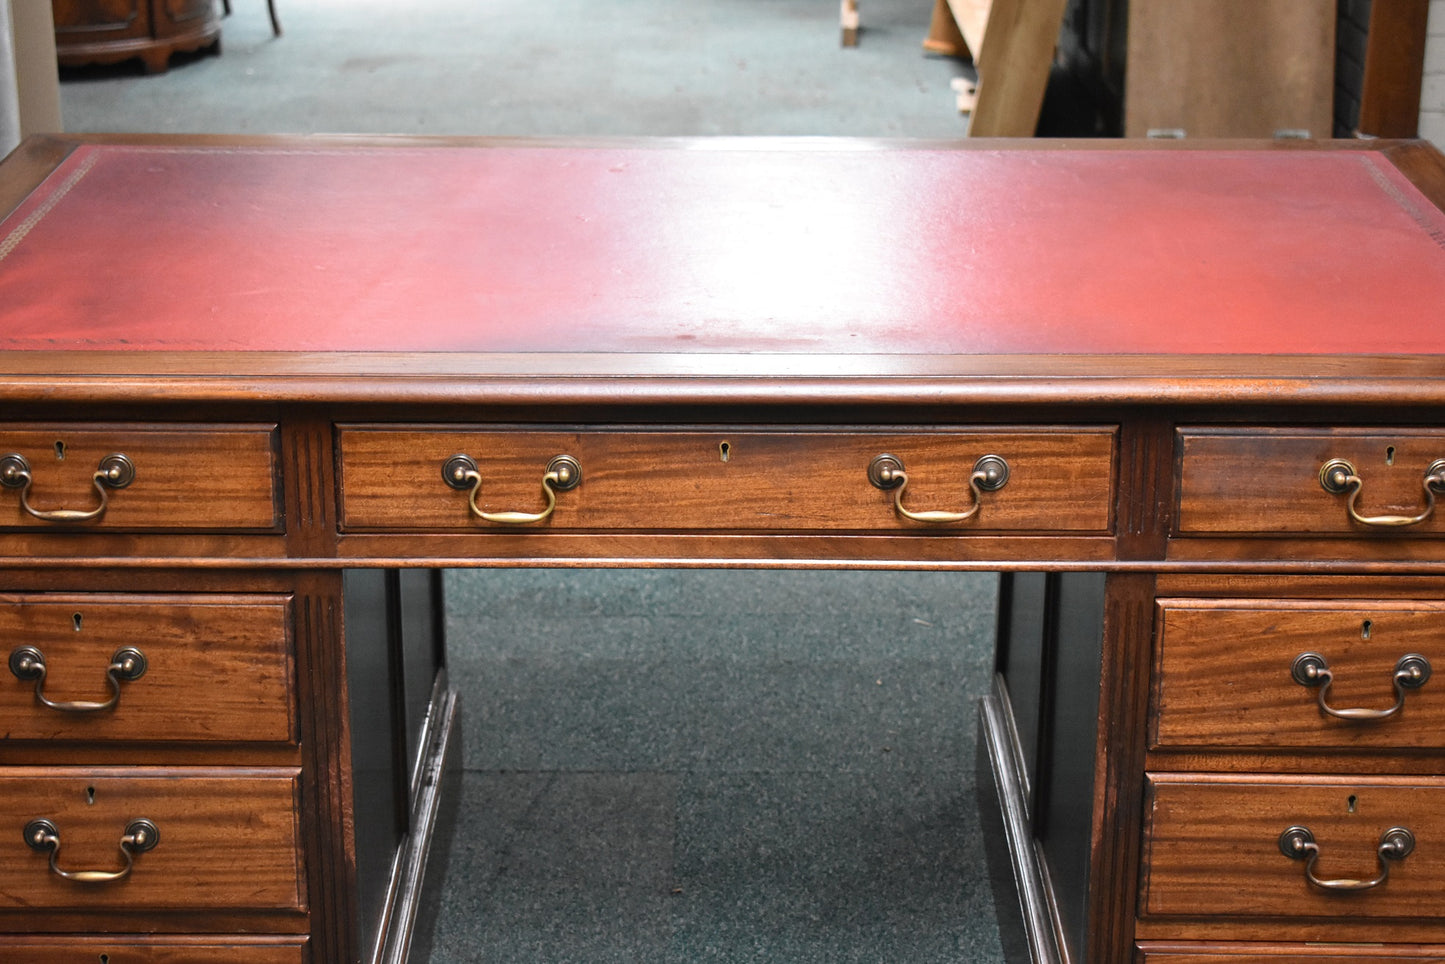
(1392, 190)
(13, 239)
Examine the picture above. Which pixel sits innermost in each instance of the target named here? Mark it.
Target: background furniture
(216, 540)
(1230, 68)
(107, 31)
(1198, 68)
(1393, 69)
(1012, 45)
(270, 11)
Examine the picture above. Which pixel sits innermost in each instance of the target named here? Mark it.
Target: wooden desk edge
(789, 380)
(23, 170)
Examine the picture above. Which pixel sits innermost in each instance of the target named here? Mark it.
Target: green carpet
(718, 766)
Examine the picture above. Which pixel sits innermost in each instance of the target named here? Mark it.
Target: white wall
(1432, 92)
(29, 83)
(9, 93)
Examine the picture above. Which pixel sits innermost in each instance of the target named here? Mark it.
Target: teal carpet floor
(718, 766)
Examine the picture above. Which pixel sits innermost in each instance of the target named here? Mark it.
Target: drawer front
(1227, 674)
(1227, 953)
(1267, 482)
(226, 839)
(1059, 480)
(1213, 847)
(175, 17)
(99, 20)
(111, 949)
(210, 668)
(186, 477)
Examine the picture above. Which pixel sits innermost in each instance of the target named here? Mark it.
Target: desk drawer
(1268, 481)
(1227, 674)
(1319, 952)
(112, 949)
(227, 839)
(209, 668)
(1213, 846)
(1058, 479)
(157, 477)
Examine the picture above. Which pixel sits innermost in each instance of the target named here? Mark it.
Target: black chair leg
(270, 8)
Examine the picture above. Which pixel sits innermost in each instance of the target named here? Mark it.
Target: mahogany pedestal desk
(257, 392)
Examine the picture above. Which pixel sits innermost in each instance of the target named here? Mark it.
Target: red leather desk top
(723, 248)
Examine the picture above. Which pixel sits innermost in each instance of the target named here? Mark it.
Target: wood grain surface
(1267, 481)
(228, 838)
(1223, 677)
(219, 668)
(139, 949)
(198, 477)
(1279, 953)
(1061, 478)
(1230, 68)
(1211, 846)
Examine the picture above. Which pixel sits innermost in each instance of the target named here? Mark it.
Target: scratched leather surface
(723, 249)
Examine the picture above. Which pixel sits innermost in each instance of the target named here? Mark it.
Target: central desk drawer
(1216, 847)
(147, 668)
(1056, 480)
(1248, 673)
(223, 839)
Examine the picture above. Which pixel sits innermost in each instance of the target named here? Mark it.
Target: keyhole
(60, 451)
(1390, 455)
(1350, 803)
(76, 620)
(725, 451)
(1365, 628)
(90, 795)
(105, 959)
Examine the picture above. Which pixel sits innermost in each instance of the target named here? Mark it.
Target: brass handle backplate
(28, 663)
(562, 474)
(1412, 671)
(140, 835)
(1338, 477)
(990, 473)
(1298, 843)
(115, 471)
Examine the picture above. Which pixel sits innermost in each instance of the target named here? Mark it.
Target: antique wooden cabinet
(1187, 400)
(107, 31)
